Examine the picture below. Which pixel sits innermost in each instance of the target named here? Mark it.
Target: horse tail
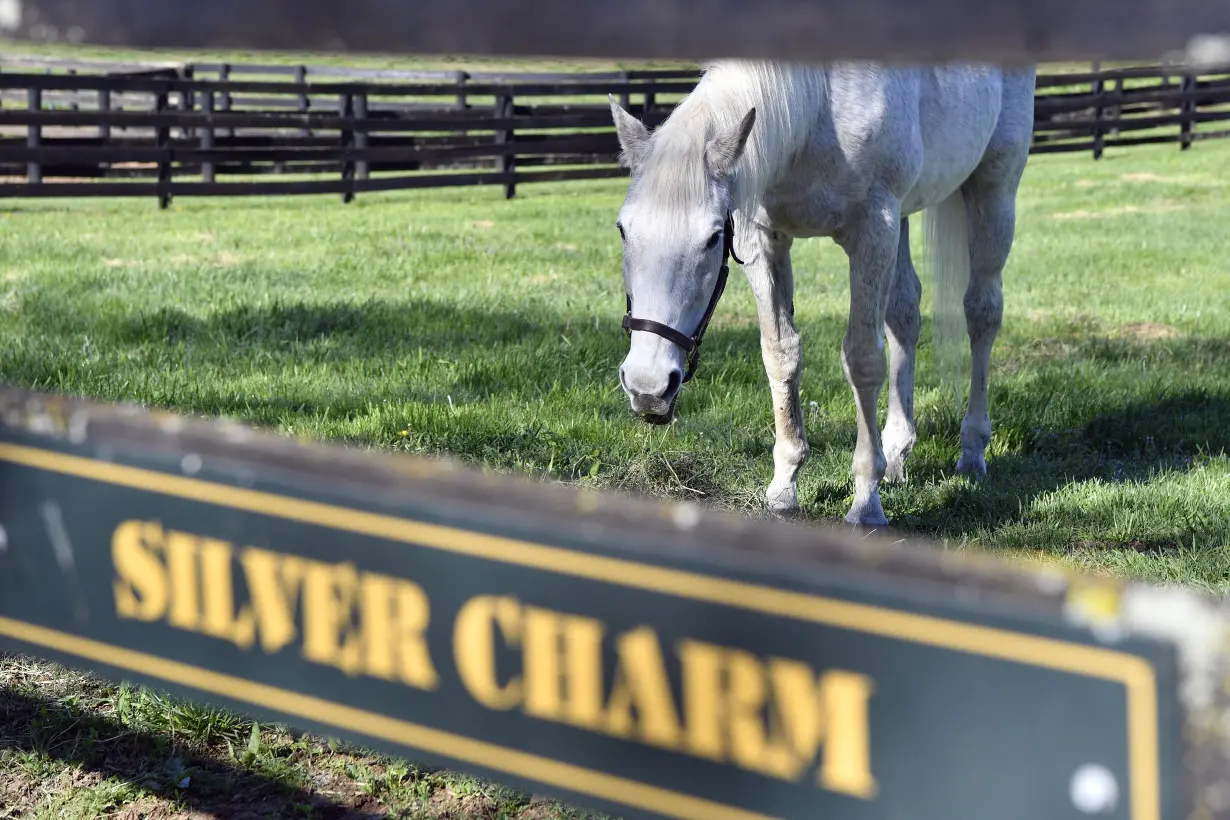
(946, 238)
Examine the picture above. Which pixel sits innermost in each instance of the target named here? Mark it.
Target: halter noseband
(691, 344)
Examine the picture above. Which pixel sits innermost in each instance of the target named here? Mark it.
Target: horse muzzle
(655, 403)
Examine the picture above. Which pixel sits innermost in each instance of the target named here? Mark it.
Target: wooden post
(507, 162)
(34, 136)
(163, 140)
(187, 103)
(305, 104)
(208, 169)
(1098, 88)
(104, 108)
(224, 74)
(345, 106)
(463, 101)
(73, 106)
(361, 165)
(1187, 109)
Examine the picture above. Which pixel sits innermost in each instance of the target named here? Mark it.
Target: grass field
(457, 322)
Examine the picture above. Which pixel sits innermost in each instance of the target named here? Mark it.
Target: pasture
(456, 322)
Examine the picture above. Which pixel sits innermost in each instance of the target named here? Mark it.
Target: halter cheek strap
(691, 344)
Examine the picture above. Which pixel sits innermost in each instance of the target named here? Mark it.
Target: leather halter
(691, 344)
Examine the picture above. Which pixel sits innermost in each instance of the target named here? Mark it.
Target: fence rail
(142, 129)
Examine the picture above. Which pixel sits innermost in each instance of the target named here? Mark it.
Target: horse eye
(713, 240)
(621, 231)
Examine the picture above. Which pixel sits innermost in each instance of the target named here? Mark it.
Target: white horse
(848, 151)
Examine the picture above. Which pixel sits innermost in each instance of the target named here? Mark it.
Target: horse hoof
(894, 473)
(782, 503)
(867, 514)
(973, 466)
(783, 509)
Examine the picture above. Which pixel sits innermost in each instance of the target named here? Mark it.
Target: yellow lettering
(563, 667)
(833, 710)
(218, 594)
(329, 598)
(181, 553)
(395, 615)
(750, 744)
(141, 590)
(703, 684)
(641, 682)
(474, 649)
(273, 584)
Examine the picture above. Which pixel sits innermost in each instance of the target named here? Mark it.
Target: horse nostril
(672, 384)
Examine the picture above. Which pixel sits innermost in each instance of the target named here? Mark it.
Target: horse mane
(787, 98)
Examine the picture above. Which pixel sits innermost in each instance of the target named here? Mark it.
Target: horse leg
(771, 277)
(902, 322)
(871, 242)
(991, 204)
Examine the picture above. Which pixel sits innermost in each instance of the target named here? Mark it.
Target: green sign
(608, 666)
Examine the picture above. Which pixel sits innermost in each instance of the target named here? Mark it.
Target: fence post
(163, 140)
(305, 104)
(104, 108)
(345, 106)
(34, 136)
(1097, 87)
(507, 162)
(74, 106)
(208, 169)
(1187, 109)
(361, 166)
(463, 101)
(187, 101)
(224, 74)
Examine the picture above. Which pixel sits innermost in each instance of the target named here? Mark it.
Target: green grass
(75, 748)
(457, 322)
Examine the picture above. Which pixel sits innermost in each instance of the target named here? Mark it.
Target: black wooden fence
(78, 129)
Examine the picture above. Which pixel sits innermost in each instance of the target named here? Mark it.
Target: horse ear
(724, 150)
(632, 133)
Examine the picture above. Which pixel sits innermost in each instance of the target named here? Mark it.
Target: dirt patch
(1146, 176)
(17, 790)
(1146, 331)
(1040, 314)
(1156, 208)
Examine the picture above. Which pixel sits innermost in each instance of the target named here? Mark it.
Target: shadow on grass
(424, 357)
(1132, 442)
(470, 354)
(154, 764)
